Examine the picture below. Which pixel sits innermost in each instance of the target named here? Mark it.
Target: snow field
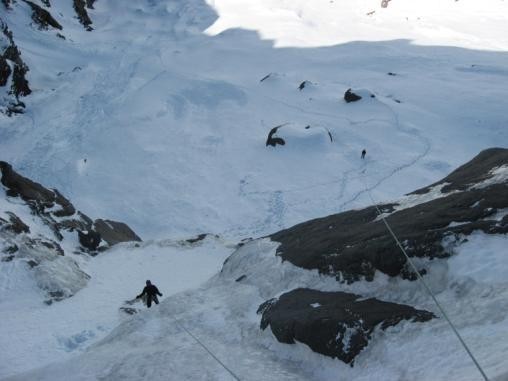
(71, 325)
(165, 103)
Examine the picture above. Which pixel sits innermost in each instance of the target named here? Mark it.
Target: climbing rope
(205, 348)
(420, 278)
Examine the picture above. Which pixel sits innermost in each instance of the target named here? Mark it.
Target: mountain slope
(158, 113)
(148, 98)
(223, 314)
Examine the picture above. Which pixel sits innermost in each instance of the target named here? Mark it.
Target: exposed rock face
(89, 239)
(114, 232)
(83, 17)
(349, 96)
(42, 17)
(14, 224)
(5, 71)
(273, 141)
(39, 198)
(59, 214)
(12, 66)
(55, 272)
(335, 324)
(354, 244)
(7, 3)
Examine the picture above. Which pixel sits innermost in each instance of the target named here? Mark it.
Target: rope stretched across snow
(420, 278)
(206, 349)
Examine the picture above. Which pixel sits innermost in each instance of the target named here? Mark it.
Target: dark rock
(15, 224)
(90, 240)
(90, 3)
(46, 3)
(52, 245)
(38, 197)
(265, 77)
(5, 71)
(335, 324)
(32, 263)
(473, 172)
(19, 83)
(80, 222)
(58, 213)
(8, 258)
(354, 244)
(349, 96)
(392, 74)
(42, 17)
(273, 141)
(38, 243)
(198, 238)
(11, 249)
(114, 232)
(84, 19)
(7, 3)
(240, 278)
(302, 85)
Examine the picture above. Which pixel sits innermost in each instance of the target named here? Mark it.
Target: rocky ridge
(47, 227)
(354, 245)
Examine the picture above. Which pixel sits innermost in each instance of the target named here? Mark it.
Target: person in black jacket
(151, 293)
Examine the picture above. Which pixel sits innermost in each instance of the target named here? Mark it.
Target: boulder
(349, 96)
(353, 245)
(335, 324)
(300, 137)
(114, 232)
(272, 140)
(89, 239)
(42, 17)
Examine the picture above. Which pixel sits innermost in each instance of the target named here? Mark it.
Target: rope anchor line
(420, 278)
(205, 348)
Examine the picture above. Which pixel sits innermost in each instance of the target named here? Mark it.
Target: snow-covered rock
(300, 138)
(355, 244)
(41, 228)
(336, 324)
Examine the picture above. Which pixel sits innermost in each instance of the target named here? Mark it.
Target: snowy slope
(148, 98)
(158, 117)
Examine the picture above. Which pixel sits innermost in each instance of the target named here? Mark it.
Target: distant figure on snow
(151, 293)
(363, 154)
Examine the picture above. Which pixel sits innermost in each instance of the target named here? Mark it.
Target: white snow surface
(158, 118)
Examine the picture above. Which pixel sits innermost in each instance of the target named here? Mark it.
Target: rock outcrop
(355, 244)
(114, 232)
(306, 137)
(60, 215)
(55, 272)
(336, 324)
(13, 71)
(349, 96)
(80, 6)
(42, 17)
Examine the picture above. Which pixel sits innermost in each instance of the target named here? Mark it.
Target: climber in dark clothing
(151, 293)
